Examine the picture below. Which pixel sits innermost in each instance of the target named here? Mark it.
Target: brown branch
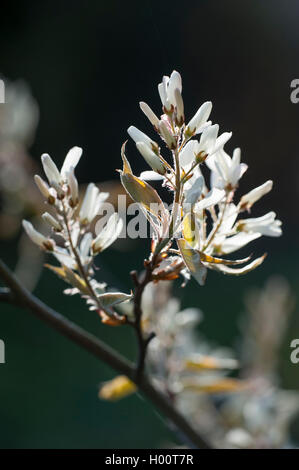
(17, 294)
(143, 342)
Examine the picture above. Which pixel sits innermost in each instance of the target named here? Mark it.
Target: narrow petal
(71, 160)
(213, 197)
(50, 169)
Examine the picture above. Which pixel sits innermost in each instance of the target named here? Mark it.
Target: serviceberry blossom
(72, 240)
(203, 218)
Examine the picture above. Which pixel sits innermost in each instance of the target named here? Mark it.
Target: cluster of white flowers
(72, 241)
(203, 217)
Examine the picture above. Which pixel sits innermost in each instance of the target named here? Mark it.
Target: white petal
(150, 157)
(194, 193)
(73, 185)
(34, 235)
(139, 136)
(187, 155)
(200, 118)
(175, 82)
(50, 169)
(150, 176)
(42, 186)
(88, 201)
(162, 88)
(211, 199)
(253, 196)
(109, 234)
(51, 221)
(221, 140)
(71, 160)
(149, 114)
(85, 245)
(236, 242)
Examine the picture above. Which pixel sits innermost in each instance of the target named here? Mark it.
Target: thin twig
(143, 342)
(90, 343)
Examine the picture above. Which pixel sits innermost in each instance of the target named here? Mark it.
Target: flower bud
(52, 221)
(44, 189)
(37, 237)
(59, 190)
(163, 92)
(167, 136)
(149, 114)
(180, 118)
(50, 169)
(151, 158)
(73, 185)
(71, 160)
(139, 136)
(175, 83)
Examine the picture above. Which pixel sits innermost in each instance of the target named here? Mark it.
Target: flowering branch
(194, 235)
(19, 295)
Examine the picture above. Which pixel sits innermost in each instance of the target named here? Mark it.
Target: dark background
(88, 64)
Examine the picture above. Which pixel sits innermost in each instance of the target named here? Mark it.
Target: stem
(78, 259)
(100, 350)
(143, 342)
(212, 235)
(141, 284)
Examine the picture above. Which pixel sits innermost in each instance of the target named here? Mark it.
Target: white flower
(199, 120)
(205, 217)
(265, 225)
(167, 89)
(37, 237)
(109, 234)
(226, 171)
(255, 194)
(209, 142)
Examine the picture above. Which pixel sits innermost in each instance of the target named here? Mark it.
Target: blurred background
(87, 65)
